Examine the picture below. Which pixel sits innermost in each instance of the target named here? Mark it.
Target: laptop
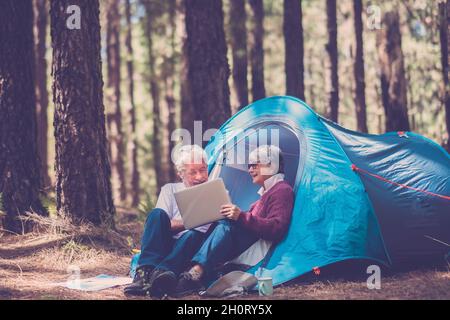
(200, 204)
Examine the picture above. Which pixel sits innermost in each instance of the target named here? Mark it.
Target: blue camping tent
(358, 196)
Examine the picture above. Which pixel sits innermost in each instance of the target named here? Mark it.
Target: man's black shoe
(140, 282)
(162, 282)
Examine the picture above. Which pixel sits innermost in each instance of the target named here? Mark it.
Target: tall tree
(332, 49)
(187, 110)
(151, 13)
(169, 81)
(294, 51)
(83, 187)
(257, 50)
(114, 114)
(40, 34)
(358, 69)
(132, 142)
(238, 35)
(393, 81)
(19, 164)
(444, 9)
(208, 68)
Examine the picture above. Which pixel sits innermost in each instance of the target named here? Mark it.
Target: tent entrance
(232, 162)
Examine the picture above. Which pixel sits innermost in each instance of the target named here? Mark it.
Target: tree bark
(155, 94)
(358, 69)
(238, 35)
(444, 9)
(170, 88)
(132, 142)
(187, 108)
(19, 161)
(311, 89)
(40, 33)
(332, 49)
(294, 52)
(83, 187)
(208, 65)
(257, 50)
(114, 114)
(393, 82)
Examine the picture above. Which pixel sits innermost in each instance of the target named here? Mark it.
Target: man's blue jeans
(160, 250)
(227, 241)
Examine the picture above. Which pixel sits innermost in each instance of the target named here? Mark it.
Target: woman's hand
(230, 211)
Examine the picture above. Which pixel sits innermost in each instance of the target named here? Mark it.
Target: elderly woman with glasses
(268, 219)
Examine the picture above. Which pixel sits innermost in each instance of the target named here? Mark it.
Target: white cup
(265, 286)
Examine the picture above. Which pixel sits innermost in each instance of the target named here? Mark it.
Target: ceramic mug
(265, 286)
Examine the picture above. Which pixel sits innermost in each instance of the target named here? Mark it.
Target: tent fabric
(406, 216)
(338, 214)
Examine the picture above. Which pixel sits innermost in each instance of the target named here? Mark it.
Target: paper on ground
(97, 283)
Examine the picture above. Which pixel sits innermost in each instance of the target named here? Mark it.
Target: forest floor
(30, 265)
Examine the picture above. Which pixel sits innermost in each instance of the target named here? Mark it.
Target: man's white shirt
(166, 201)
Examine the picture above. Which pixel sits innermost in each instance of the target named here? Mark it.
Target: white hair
(189, 154)
(270, 155)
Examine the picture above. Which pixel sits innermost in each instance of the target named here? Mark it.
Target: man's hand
(230, 211)
(176, 225)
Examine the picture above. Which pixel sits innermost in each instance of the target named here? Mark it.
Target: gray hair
(189, 154)
(269, 155)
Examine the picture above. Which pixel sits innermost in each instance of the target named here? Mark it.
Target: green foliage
(73, 247)
(74, 250)
(130, 242)
(145, 206)
(49, 203)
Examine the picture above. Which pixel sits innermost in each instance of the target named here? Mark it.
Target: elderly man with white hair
(166, 248)
(267, 219)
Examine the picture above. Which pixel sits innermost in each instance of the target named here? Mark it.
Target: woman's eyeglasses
(252, 165)
(256, 165)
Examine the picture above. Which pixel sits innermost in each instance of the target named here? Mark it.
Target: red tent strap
(355, 168)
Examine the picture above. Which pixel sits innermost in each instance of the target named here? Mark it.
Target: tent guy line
(356, 169)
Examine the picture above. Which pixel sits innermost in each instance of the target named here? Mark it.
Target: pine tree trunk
(170, 89)
(40, 33)
(207, 62)
(155, 94)
(311, 88)
(238, 35)
(293, 43)
(114, 114)
(393, 81)
(132, 142)
(358, 68)
(187, 109)
(332, 49)
(19, 164)
(257, 50)
(83, 187)
(444, 9)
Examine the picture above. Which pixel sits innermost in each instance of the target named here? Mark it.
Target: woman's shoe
(188, 283)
